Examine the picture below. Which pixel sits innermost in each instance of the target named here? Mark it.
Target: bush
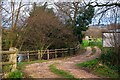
(46, 31)
(99, 69)
(106, 71)
(109, 58)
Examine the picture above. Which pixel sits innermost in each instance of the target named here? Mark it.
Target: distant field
(87, 43)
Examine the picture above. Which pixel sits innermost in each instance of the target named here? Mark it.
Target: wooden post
(62, 53)
(0, 39)
(48, 54)
(66, 52)
(69, 51)
(28, 56)
(55, 53)
(74, 51)
(38, 54)
(13, 58)
(41, 54)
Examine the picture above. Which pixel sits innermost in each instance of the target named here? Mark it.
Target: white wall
(109, 39)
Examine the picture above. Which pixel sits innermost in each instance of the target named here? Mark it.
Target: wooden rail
(12, 53)
(54, 52)
(7, 52)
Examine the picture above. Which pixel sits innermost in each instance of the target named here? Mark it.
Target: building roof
(113, 26)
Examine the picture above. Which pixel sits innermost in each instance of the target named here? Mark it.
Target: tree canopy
(83, 20)
(78, 16)
(44, 30)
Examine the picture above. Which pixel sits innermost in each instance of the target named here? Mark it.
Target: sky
(108, 18)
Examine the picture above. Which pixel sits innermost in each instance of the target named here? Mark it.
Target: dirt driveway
(41, 70)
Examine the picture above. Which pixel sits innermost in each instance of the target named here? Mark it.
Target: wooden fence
(12, 53)
(48, 53)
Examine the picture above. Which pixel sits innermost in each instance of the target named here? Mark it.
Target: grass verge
(85, 43)
(62, 73)
(15, 74)
(97, 68)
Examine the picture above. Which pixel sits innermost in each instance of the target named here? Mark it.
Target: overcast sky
(108, 18)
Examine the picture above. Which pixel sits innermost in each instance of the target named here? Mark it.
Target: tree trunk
(0, 43)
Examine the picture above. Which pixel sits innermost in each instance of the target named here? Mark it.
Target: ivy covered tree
(84, 18)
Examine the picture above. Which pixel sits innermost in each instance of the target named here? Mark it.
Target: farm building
(111, 37)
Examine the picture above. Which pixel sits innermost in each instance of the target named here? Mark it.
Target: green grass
(96, 68)
(85, 43)
(6, 68)
(109, 58)
(62, 73)
(19, 72)
(15, 74)
(105, 71)
(89, 64)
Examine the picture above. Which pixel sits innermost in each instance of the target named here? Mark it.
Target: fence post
(41, 54)
(13, 58)
(55, 53)
(74, 51)
(38, 54)
(67, 52)
(48, 54)
(62, 53)
(28, 56)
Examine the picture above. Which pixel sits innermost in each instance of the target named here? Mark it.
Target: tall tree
(13, 15)
(0, 41)
(46, 31)
(83, 20)
(109, 11)
(77, 15)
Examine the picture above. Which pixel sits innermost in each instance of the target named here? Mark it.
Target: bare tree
(13, 18)
(68, 11)
(111, 10)
(0, 42)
